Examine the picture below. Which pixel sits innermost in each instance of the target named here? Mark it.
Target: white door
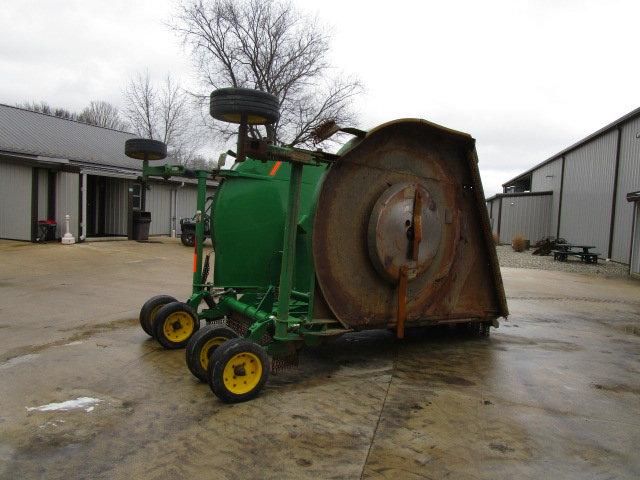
(635, 252)
(15, 201)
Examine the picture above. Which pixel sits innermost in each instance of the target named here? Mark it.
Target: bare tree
(269, 46)
(44, 107)
(200, 162)
(98, 113)
(102, 114)
(162, 113)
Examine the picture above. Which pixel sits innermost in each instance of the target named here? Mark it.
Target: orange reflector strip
(275, 168)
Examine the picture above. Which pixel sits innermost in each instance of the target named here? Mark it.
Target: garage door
(15, 201)
(186, 200)
(159, 204)
(635, 253)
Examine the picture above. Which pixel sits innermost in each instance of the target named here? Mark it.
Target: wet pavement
(554, 393)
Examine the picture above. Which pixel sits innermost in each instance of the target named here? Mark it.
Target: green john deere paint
(390, 232)
(248, 216)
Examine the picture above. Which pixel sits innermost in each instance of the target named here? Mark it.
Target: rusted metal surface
(402, 302)
(455, 276)
(395, 232)
(417, 224)
(494, 266)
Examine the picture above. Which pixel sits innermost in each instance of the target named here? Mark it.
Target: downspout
(633, 235)
(560, 199)
(34, 205)
(614, 198)
(83, 230)
(499, 220)
(174, 210)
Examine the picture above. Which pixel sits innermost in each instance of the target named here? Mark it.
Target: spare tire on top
(229, 104)
(140, 147)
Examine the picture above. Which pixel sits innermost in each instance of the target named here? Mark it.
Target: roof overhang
(53, 163)
(104, 171)
(519, 194)
(38, 161)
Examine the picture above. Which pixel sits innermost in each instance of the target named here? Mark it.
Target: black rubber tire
(228, 104)
(219, 360)
(476, 329)
(150, 309)
(165, 315)
(484, 330)
(188, 239)
(138, 147)
(198, 342)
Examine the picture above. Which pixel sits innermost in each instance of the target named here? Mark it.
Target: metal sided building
(525, 213)
(587, 184)
(51, 167)
(634, 266)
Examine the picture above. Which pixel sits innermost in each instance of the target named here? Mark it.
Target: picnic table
(564, 250)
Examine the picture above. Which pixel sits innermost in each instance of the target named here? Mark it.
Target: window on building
(136, 196)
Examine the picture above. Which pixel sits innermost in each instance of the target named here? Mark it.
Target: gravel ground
(509, 258)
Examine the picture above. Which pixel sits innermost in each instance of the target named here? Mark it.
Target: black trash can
(141, 223)
(46, 230)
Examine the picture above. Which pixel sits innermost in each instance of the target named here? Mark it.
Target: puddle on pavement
(82, 333)
(617, 388)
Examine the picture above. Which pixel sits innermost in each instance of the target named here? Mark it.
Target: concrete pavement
(554, 393)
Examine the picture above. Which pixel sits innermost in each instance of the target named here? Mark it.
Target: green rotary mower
(389, 233)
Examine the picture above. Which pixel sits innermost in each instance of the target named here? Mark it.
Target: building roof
(615, 124)
(59, 140)
(518, 194)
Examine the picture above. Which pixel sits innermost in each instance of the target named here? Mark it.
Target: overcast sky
(525, 78)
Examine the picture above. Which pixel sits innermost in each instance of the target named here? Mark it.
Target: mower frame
(287, 332)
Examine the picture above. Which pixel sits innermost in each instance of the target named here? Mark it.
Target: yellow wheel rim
(205, 352)
(178, 327)
(242, 373)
